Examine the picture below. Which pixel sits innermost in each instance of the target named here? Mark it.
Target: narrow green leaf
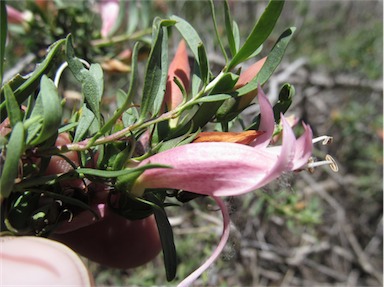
(97, 74)
(166, 237)
(85, 122)
(13, 108)
(116, 173)
(236, 35)
(14, 151)
(204, 66)
(3, 36)
(51, 110)
(156, 72)
(215, 98)
(260, 32)
(229, 29)
(133, 17)
(213, 14)
(23, 86)
(67, 127)
(196, 78)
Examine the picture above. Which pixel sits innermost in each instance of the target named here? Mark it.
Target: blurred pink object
(36, 261)
(109, 11)
(16, 17)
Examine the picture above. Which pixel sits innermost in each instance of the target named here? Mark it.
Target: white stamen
(326, 140)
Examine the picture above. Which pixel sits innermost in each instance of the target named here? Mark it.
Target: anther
(333, 165)
(329, 160)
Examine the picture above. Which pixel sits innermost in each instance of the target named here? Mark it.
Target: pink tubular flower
(226, 169)
(14, 16)
(179, 68)
(109, 11)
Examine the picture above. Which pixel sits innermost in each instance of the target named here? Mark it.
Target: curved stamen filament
(326, 140)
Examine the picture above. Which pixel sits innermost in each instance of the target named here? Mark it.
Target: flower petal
(213, 168)
(303, 148)
(109, 11)
(223, 240)
(267, 120)
(179, 68)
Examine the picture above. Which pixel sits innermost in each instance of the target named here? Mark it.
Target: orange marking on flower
(245, 137)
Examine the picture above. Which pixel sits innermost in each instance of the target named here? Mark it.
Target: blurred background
(305, 229)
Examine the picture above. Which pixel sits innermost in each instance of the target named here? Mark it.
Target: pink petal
(267, 120)
(223, 240)
(109, 11)
(179, 68)
(217, 169)
(303, 148)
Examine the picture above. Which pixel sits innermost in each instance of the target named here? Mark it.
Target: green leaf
(230, 29)
(286, 94)
(204, 65)
(213, 14)
(166, 237)
(273, 60)
(214, 98)
(3, 36)
(116, 173)
(51, 110)
(91, 80)
(14, 151)
(189, 34)
(260, 32)
(13, 108)
(133, 17)
(156, 72)
(236, 35)
(23, 86)
(85, 122)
